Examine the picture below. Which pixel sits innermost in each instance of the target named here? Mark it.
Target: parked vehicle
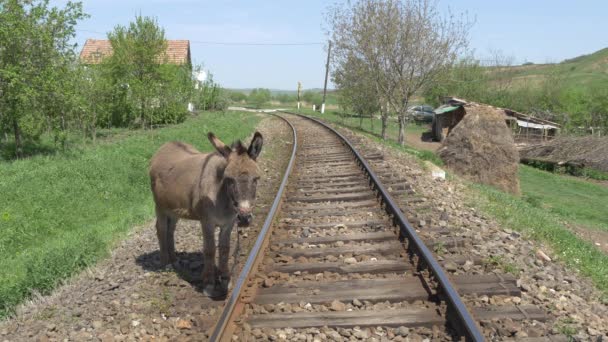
(422, 113)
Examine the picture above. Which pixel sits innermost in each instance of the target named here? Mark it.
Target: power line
(255, 44)
(233, 43)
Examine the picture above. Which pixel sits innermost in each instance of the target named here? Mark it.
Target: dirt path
(416, 141)
(129, 297)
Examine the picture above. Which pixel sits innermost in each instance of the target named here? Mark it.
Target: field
(550, 206)
(62, 213)
(573, 200)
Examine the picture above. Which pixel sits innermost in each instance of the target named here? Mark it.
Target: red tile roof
(94, 50)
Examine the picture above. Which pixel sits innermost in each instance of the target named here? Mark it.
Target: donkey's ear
(256, 146)
(219, 145)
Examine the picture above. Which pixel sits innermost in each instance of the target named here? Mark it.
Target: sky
(537, 31)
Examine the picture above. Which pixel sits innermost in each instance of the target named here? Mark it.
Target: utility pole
(326, 75)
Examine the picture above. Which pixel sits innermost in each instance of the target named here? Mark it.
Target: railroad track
(337, 258)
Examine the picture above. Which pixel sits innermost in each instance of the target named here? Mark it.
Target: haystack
(481, 149)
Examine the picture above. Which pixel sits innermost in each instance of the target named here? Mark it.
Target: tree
(143, 81)
(237, 96)
(259, 97)
(313, 97)
(404, 44)
(285, 98)
(208, 94)
(357, 90)
(94, 100)
(34, 50)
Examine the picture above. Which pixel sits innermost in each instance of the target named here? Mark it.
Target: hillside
(582, 72)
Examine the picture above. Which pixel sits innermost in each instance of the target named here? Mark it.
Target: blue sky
(536, 31)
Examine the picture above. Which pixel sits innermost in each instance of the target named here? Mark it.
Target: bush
(313, 98)
(259, 97)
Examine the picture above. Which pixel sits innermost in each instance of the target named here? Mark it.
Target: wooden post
(326, 75)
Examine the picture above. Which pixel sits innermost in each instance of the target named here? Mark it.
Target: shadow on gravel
(189, 266)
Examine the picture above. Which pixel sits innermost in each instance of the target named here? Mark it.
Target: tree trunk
(360, 120)
(401, 138)
(384, 123)
(18, 147)
(94, 127)
(143, 113)
(371, 122)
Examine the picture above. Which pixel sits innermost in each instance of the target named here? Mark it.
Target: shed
(525, 128)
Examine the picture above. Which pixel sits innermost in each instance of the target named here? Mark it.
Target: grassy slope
(549, 201)
(60, 214)
(580, 72)
(577, 201)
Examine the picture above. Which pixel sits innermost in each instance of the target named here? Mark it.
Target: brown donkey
(213, 188)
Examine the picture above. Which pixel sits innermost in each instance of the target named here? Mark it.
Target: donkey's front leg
(224, 246)
(208, 254)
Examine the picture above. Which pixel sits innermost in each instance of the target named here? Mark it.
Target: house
(525, 128)
(177, 53)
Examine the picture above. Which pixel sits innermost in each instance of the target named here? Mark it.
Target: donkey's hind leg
(162, 231)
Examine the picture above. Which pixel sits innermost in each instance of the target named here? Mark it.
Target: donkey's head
(241, 173)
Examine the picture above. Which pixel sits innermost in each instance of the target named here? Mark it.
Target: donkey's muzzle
(244, 219)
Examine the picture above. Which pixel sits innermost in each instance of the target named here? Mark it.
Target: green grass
(62, 213)
(573, 200)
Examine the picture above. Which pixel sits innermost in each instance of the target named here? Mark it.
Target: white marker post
(314, 108)
(322, 108)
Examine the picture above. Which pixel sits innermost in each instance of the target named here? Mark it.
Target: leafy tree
(259, 97)
(95, 97)
(136, 60)
(237, 96)
(313, 97)
(146, 89)
(285, 98)
(357, 90)
(209, 95)
(35, 54)
(404, 44)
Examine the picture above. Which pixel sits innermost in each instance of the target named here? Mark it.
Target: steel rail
(467, 323)
(229, 308)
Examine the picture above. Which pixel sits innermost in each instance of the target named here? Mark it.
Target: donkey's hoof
(215, 291)
(223, 282)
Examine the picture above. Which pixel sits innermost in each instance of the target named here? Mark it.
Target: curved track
(337, 253)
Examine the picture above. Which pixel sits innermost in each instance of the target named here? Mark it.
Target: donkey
(216, 189)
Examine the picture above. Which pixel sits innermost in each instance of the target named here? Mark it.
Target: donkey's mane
(238, 147)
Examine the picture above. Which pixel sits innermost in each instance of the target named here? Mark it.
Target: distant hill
(581, 72)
